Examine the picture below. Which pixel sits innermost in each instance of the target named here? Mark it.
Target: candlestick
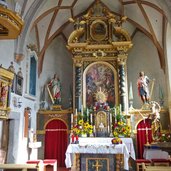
(147, 136)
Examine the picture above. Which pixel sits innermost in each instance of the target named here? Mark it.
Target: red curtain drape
(142, 128)
(56, 141)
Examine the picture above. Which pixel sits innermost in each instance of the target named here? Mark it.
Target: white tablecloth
(97, 148)
(127, 141)
(155, 154)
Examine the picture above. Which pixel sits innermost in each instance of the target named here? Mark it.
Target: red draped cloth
(56, 141)
(143, 128)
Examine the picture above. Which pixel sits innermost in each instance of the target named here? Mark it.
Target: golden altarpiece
(99, 45)
(6, 81)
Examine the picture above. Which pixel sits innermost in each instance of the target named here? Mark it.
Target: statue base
(56, 107)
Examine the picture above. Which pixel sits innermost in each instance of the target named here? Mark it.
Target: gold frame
(93, 29)
(115, 81)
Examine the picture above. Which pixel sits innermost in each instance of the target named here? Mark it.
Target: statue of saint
(143, 87)
(156, 127)
(55, 87)
(155, 124)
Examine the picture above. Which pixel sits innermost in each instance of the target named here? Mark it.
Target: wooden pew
(22, 167)
(155, 168)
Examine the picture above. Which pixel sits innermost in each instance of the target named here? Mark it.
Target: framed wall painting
(19, 85)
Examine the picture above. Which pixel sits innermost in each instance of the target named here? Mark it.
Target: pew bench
(22, 167)
(155, 168)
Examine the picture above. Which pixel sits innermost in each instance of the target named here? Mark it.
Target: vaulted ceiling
(47, 19)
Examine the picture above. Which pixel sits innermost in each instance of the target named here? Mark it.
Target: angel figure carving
(54, 89)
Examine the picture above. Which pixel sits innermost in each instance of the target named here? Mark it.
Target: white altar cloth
(97, 148)
(127, 141)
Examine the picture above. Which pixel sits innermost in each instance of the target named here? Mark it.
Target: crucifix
(97, 165)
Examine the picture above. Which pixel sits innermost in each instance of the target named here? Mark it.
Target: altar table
(100, 146)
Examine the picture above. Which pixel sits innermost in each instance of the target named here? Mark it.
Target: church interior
(85, 85)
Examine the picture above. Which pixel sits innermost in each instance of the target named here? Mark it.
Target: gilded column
(78, 85)
(122, 83)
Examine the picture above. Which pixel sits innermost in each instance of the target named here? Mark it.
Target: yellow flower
(80, 122)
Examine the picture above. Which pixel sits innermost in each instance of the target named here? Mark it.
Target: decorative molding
(11, 24)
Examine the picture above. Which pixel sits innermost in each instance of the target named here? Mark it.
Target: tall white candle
(87, 115)
(130, 92)
(108, 129)
(76, 116)
(71, 118)
(82, 110)
(91, 118)
(111, 118)
(94, 129)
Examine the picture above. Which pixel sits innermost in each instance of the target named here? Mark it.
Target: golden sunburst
(101, 96)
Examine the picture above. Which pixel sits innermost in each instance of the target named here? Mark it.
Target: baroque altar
(99, 45)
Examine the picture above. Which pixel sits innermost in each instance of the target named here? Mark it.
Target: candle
(71, 118)
(91, 118)
(82, 110)
(108, 129)
(111, 118)
(130, 92)
(87, 115)
(94, 129)
(76, 116)
(76, 137)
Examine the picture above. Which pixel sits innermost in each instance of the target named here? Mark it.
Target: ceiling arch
(52, 19)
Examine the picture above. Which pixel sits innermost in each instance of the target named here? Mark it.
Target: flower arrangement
(165, 137)
(121, 129)
(82, 128)
(116, 141)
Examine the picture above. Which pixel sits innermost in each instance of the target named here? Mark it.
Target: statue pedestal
(34, 149)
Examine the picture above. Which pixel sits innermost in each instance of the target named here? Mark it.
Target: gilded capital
(78, 62)
(121, 60)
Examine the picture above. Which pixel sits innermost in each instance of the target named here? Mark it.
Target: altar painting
(100, 78)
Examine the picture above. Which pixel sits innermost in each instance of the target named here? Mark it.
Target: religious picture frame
(13, 86)
(19, 85)
(31, 75)
(100, 81)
